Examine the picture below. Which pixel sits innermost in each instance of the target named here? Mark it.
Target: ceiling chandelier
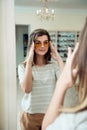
(45, 13)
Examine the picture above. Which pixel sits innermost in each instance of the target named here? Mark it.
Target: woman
(38, 75)
(75, 72)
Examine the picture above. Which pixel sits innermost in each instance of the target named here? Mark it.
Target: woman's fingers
(76, 48)
(51, 46)
(32, 46)
(72, 54)
(69, 51)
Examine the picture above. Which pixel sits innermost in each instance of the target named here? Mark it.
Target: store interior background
(69, 16)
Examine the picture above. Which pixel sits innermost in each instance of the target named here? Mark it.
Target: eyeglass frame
(45, 43)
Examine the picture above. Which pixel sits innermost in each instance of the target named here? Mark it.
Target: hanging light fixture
(45, 13)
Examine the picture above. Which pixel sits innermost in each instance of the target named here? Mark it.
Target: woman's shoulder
(54, 63)
(61, 122)
(81, 115)
(79, 118)
(22, 65)
(70, 120)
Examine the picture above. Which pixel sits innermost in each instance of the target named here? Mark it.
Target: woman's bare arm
(66, 80)
(26, 85)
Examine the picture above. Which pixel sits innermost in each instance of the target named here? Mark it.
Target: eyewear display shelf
(63, 40)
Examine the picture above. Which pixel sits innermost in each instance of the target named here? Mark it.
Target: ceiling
(59, 4)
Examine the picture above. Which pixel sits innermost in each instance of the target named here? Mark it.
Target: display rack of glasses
(63, 40)
(53, 35)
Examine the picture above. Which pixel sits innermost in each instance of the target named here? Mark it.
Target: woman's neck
(40, 61)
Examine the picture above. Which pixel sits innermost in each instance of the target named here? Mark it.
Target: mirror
(22, 34)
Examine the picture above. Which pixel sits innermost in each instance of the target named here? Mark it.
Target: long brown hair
(33, 36)
(82, 64)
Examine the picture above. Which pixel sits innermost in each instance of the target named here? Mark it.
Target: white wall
(7, 66)
(64, 19)
(2, 78)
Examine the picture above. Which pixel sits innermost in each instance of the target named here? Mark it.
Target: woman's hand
(27, 82)
(70, 70)
(55, 55)
(31, 54)
(54, 52)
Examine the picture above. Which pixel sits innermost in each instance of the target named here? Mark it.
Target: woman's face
(41, 45)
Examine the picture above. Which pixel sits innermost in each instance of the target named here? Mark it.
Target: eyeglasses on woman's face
(39, 44)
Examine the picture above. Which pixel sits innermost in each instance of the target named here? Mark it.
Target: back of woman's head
(82, 64)
(33, 36)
